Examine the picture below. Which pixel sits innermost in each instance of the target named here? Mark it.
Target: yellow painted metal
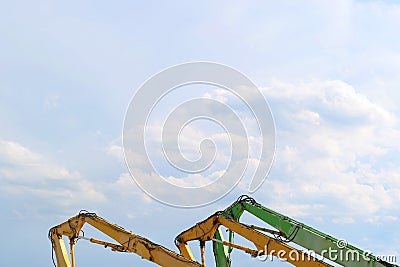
(202, 247)
(205, 230)
(133, 243)
(72, 252)
(250, 251)
(185, 251)
(114, 247)
(60, 250)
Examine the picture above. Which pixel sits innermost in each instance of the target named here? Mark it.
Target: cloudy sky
(329, 71)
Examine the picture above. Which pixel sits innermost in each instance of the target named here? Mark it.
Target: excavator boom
(273, 242)
(298, 233)
(205, 231)
(127, 240)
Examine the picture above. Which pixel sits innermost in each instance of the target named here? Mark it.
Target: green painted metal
(298, 233)
(221, 252)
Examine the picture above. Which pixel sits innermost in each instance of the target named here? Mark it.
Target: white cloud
(116, 151)
(20, 165)
(308, 116)
(343, 220)
(39, 182)
(126, 186)
(335, 98)
(11, 152)
(345, 164)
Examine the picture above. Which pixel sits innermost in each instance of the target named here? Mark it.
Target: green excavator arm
(298, 233)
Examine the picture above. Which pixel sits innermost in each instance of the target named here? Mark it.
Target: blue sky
(329, 71)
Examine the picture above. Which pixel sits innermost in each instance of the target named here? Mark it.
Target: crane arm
(301, 234)
(205, 231)
(127, 240)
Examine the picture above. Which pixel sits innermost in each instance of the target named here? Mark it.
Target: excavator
(274, 243)
(265, 245)
(289, 230)
(130, 242)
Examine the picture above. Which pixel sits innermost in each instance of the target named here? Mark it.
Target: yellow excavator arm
(127, 242)
(205, 230)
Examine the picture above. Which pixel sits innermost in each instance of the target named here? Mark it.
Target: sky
(328, 69)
